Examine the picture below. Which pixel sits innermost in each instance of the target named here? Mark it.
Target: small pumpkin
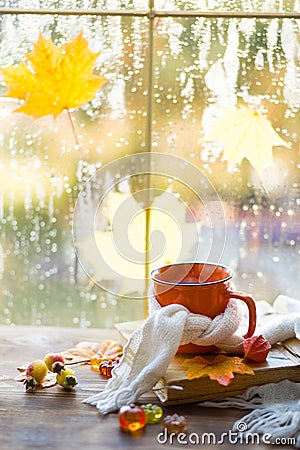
(154, 413)
(175, 423)
(132, 418)
(107, 366)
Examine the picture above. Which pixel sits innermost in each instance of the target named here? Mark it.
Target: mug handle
(251, 307)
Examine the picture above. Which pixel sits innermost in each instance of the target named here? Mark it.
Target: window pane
(88, 5)
(228, 5)
(43, 169)
(208, 75)
(212, 75)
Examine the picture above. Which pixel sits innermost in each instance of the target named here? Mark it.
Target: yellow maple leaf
(54, 78)
(221, 369)
(109, 260)
(245, 133)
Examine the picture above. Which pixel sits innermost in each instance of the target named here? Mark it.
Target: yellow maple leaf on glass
(119, 253)
(54, 79)
(245, 133)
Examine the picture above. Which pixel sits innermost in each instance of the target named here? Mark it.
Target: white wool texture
(151, 348)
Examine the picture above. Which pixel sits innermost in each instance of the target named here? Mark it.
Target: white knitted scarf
(151, 348)
(276, 406)
(276, 411)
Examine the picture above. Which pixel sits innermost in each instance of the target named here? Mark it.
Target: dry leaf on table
(48, 381)
(221, 369)
(93, 352)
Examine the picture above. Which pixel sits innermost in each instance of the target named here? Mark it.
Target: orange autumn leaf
(93, 353)
(221, 369)
(54, 78)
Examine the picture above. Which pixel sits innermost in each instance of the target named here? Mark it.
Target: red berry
(58, 367)
(35, 374)
(37, 370)
(52, 358)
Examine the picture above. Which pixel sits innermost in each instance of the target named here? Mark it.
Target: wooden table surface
(55, 419)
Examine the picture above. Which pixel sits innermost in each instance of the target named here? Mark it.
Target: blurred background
(178, 83)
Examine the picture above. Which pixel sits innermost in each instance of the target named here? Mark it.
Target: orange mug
(203, 288)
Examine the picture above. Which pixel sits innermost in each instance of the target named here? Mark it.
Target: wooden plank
(55, 419)
(293, 346)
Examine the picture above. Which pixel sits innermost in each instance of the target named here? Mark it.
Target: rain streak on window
(209, 75)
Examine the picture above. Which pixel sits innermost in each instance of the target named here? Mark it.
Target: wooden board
(280, 365)
(55, 419)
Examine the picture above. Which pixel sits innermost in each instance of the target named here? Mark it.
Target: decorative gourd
(154, 413)
(132, 418)
(175, 424)
(107, 366)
